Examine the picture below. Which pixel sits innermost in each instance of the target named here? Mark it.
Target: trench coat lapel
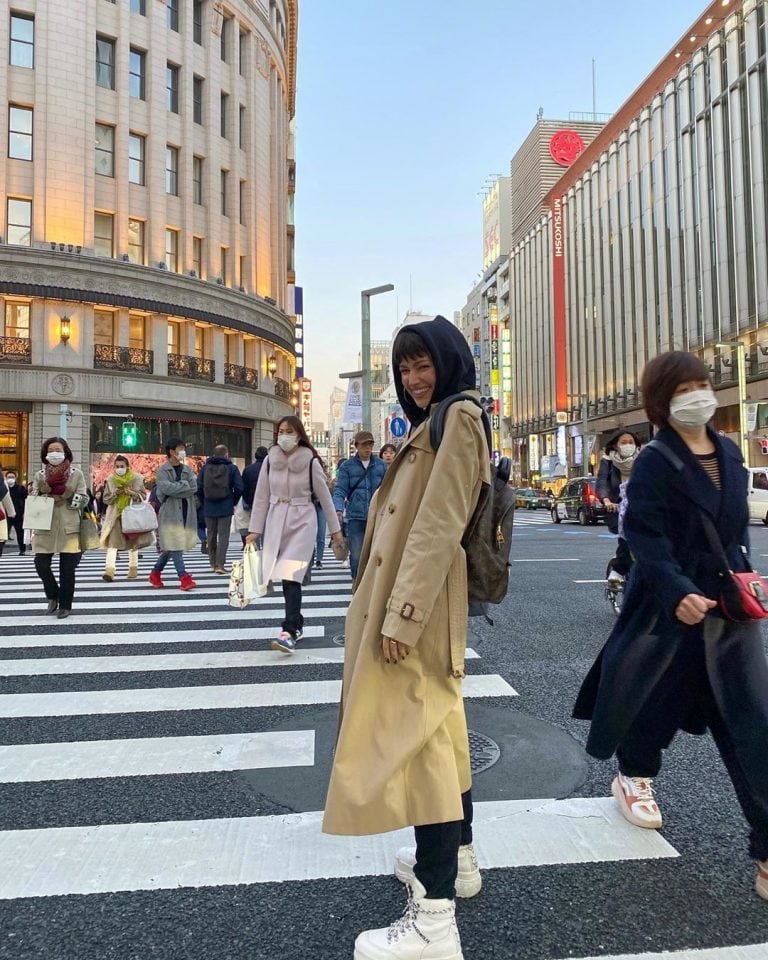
(692, 482)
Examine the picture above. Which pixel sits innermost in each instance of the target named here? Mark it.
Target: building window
(22, 41)
(136, 158)
(225, 26)
(200, 342)
(242, 51)
(241, 202)
(172, 14)
(137, 331)
(174, 337)
(241, 278)
(19, 133)
(224, 175)
(172, 171)
(105, 150)
(223, 115)
(105, 63)
(16, 320)
(224, 267)
(172, 88)
(241, 127)
(104, 328)
(197, 180)
(139, 6)
(103, 234)
(172, 249)
(197, 99)
(136, 241)
(197, 255)
(19, 218)
(137, 74)
(197, 21)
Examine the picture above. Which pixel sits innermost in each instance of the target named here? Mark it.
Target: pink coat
(284, 514)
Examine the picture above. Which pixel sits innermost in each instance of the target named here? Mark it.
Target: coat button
(392, 508)
(411, 457)
(365, 616)
(378, 564)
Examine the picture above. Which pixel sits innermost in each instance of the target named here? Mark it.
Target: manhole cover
(338, 640)
(483, 752)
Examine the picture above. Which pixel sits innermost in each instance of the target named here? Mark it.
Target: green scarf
(124, 496)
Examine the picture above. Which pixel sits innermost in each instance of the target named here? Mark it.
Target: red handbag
(2, 514)
(744, 596)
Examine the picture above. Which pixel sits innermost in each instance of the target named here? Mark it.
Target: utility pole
(365, 312)
(64, 418)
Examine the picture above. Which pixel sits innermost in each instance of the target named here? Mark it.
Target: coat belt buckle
(408, 611)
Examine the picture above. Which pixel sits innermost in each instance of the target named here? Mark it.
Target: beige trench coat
(111, 530)
(64, 535)
(402, 756)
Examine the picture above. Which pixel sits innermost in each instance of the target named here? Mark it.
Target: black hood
(452, 359)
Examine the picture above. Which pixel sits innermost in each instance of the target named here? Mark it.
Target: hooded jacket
(454, 365)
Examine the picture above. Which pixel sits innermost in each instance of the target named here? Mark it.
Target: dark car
(529, 498)
(578, 501)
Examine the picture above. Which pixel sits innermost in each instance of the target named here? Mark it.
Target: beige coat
(6, 504)
(111, 530)
(402, 756)
(64, 535)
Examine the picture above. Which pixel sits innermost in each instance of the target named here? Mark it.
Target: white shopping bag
(245, 580)
(38, 513)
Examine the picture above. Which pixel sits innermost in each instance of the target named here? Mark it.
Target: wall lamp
(272, 364)
(64, 328)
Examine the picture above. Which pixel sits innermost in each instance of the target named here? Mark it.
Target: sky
(404, 109)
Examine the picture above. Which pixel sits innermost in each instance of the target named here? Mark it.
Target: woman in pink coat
(284, 518)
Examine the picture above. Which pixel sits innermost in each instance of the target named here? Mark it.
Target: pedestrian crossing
(161, 695)
(532, 518)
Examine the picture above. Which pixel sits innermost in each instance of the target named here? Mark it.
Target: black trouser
(622, 560)
(217, 534)
(64, 590)
(293, 619)
(437, 852)
(640, 752)
(16, 524)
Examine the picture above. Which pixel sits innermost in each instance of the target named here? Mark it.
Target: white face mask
(627, 450)
(181, 455)
(55, 458)
(11, 481)
(693, 409)
(287, 441)
(121, 471)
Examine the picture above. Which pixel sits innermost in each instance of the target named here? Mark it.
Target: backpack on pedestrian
(216, 485)
(488, 536)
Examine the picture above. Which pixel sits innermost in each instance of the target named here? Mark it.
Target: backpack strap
(669, 455)
(437, 424)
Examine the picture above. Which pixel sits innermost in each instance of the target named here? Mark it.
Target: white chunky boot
(426, 931)
(468, 881)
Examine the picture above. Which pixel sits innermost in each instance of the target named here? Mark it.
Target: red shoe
(186, 582)
(156, 579)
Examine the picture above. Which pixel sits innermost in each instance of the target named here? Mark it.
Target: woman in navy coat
(672, 662)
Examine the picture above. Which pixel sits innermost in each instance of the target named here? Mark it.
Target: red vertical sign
(558, 305)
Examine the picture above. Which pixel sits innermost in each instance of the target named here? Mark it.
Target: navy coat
(226, 506)
(649, 646)
(608, 485)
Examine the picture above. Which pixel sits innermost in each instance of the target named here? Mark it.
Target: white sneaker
(635, 798)
(426, 931)
(761, 883)
(615, 579)
(468, 881)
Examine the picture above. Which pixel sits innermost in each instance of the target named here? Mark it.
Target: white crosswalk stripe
(125, 691)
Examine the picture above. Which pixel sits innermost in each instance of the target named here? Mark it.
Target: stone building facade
(146, 254)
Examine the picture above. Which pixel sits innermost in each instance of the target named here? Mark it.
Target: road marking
(590, 581)
(549, 560)
(755, 951)
(175, 661)
(63, 861)
(98, 588)
(224, 615)
(191, 602)
(36, 762)
(220, 697)
(206, 635)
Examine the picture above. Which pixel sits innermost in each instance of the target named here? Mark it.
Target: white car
(757, 495)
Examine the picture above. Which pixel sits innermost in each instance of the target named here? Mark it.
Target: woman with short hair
(122, 488)
(65, 484)
(673, 662)
(388, 453)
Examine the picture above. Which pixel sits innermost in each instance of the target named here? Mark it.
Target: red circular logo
(565, 146)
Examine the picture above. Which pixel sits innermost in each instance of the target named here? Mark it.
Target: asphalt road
(697, 895)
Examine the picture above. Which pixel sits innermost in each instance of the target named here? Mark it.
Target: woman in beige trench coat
(123, 487)
(402, 756)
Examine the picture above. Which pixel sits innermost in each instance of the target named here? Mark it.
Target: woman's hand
(610, 506)
(252, 540)
(394, 651)
(337, 537)
(693, 608)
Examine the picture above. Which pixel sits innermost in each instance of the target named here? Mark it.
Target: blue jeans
(355, 537)
(178, 561)
(320, 543)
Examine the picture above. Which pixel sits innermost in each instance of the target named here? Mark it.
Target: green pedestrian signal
(130, 434)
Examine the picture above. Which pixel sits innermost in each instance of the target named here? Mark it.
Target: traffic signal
(129, 434)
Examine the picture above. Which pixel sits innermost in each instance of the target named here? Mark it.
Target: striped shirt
(711, 467)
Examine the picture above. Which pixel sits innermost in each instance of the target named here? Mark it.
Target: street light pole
(584, 400)
(741, 377)
(365, 312)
